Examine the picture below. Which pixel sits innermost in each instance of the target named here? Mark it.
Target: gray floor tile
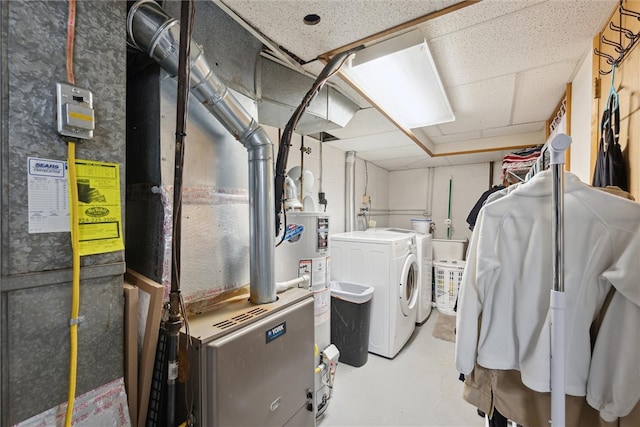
(419, 387)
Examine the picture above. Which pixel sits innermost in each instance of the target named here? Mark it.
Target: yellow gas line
(75, 290)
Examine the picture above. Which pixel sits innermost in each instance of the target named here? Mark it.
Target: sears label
(46, 168)
(276, 332)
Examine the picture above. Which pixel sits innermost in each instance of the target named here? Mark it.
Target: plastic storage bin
(446, 250)
(448, 275)
(350, 320)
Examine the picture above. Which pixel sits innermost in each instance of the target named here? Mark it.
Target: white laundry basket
(448, 275)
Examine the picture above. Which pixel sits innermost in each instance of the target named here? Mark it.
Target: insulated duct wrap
(152, 30)
(280, 91)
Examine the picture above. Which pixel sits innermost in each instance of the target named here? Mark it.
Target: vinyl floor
(419, 387)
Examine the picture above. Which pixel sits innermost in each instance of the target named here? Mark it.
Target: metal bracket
(77, 320)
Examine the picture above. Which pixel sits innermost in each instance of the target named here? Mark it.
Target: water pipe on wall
(448, 220)
(350, 192)
(429, 203)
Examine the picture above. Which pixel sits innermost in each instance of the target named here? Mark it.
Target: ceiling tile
(410, 151)
(367, 121)
(429, 131)
(466, 159)
(540, 90)
(473, 15)
(411, 163)
(429, 162)
(456, 137)
(373, 142)
(342, 22)
(466, 100)
(515, 129)
(492, 143)
(544, 33)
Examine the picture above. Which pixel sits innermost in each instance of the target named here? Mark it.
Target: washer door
(408, 290)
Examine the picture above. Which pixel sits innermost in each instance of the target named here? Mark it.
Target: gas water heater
(305, 251)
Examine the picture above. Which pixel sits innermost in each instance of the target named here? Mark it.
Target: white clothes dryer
(425, 269)
(388, 263)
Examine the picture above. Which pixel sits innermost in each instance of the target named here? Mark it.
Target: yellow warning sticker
(99, 207)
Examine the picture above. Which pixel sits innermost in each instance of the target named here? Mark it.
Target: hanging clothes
(508, 277)
(473, 215)
(518, 163)
(610, 169)
(494, 390)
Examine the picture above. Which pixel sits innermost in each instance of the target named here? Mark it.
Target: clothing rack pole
(559, 144)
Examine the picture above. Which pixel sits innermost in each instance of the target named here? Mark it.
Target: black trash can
(350, 320)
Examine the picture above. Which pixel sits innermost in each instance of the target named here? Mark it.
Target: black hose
(285, 141)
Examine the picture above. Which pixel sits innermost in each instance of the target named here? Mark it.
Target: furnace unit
(253, 365)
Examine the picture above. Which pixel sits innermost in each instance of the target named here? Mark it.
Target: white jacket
(508, 277)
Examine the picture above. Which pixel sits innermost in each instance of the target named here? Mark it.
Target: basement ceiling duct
(279, 91)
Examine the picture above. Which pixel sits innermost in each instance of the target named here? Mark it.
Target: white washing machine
(425, 269)
(388, 263)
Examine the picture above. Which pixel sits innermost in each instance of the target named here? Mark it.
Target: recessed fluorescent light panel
(400, 77)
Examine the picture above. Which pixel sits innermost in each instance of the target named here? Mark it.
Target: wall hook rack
(623, 46)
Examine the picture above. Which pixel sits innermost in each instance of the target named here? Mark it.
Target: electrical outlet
(75, 111)
(366, 200)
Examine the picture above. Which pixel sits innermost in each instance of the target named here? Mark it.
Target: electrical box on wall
(75, 111)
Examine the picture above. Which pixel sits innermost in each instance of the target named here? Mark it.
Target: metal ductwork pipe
(153, 31)
(350, 191)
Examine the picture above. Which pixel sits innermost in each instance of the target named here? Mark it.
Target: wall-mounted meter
(75, 111)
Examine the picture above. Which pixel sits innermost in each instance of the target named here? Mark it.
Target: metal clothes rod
(559, 144)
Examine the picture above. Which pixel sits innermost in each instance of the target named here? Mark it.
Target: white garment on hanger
(614, 376)
(508, 277)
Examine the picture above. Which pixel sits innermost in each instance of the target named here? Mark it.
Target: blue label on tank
(276, 332)
(293, 232)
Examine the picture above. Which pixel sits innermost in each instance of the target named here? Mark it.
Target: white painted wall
(581, 106)
(497, 173)
(468, 184)
(373, 181)
(408, 196)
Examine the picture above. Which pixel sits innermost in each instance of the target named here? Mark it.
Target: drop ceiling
(504, 64)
